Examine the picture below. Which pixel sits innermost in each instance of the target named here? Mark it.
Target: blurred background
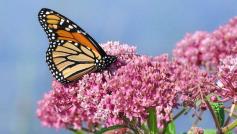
(153, 26)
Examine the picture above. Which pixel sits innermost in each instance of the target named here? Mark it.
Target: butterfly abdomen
(104, 62)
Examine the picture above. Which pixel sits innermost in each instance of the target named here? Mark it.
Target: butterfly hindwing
(69, 60)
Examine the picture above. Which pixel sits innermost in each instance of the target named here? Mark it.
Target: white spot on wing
(70, 26)
(61, 22)
(74, 25)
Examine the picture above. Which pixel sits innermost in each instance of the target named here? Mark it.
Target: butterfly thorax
(104, 62)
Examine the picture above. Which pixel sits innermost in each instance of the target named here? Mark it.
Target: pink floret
(206, 49)
(128, 88)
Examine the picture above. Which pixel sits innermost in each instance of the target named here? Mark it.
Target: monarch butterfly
(72, 52)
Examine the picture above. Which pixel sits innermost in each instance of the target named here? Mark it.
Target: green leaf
(229, 132)
(151, 122)
(219, 111)
(78, 132)
(218, 108)
(170, 128)
(101, 131)
(209, 131)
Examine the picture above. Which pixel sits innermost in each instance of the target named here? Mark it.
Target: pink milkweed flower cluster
(206, 49)
(227, 76)
(129, 88)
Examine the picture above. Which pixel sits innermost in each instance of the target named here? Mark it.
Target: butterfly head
(105, 62)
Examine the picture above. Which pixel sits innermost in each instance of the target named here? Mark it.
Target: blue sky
(153, 26)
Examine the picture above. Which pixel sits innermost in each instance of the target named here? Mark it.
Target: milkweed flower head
(227, 73)
(206, 49)
(127, 89)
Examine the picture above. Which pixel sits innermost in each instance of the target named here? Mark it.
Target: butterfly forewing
(59, 27)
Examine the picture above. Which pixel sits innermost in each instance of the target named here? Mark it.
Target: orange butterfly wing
(59, 27)
(72, 52)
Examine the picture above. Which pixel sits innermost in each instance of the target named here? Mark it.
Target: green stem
(101, 131)
(130, 124)
(230, 114)
(151, 122)
(80, 132)
(233, 115)
(229, 127)
(198, 119)
(179, 113)
(145, 128)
